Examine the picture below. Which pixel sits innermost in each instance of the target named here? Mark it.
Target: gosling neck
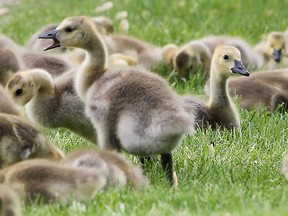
(219, 95)
(96, 60)
(94, 65)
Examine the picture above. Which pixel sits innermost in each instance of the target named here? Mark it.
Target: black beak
(51, 35)
(239, 68)
(277, 55)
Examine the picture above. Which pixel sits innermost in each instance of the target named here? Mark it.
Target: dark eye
(226, 57)
(69, 29)
(18, 92)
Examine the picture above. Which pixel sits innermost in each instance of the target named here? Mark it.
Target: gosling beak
(239, 68)
(51, 35)
(277, 55)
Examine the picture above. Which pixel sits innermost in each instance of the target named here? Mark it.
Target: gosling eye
(18, 92)
(226, 57)
(69, 29)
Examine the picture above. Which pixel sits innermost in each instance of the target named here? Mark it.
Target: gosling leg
(144, 160)
(167, 165)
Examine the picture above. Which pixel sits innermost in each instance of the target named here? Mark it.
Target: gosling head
(21, 88)
(226, 61)
(276, 45)
(72, 32)
(186, 62)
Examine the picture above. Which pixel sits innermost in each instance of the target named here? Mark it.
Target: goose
(7, 104)
(220, 110)
(19, 140)
(190, 57)
(272, 49)
(132, 109)
(51, 103)
(47, 181)
(10, 204)
(120, 170)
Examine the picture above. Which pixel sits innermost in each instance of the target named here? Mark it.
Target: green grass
(241, 174)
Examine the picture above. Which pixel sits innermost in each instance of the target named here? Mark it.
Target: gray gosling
(41, 180)
(19, 140)
(263, 89)
(56, 65)
(272, 50)
(132, 109)
(220, 110)
(121, 172)
(275, 77)
(14, 58)
(10, 204)
(51, 103)
(189, 58)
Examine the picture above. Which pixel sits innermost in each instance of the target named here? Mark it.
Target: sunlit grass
(240, 174)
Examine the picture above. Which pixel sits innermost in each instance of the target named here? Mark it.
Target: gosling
(120, 171)
(51, 103)
(132, 109)
(19, 140)
(189, 58)
(272, 50)
(220, 110)
(48, 182)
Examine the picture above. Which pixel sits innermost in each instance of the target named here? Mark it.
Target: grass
(240, 175)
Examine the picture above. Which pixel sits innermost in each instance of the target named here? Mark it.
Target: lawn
(240, 174)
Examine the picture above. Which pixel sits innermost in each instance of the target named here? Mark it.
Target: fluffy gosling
(131, 109)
